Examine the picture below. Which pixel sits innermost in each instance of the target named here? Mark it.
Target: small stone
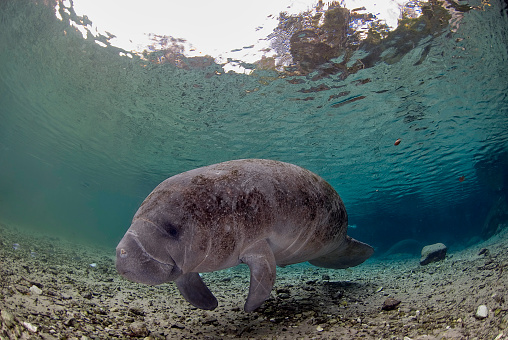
(29, 326)
(499, 336)
(139, 329)
(319, 328)
(326, 277)
(284, 296)
(482, 312)
(66, 296)
(8, 318)
(498, 298)
(504, 322)
(178, 326)
(433, 253)
(390, 304)
(71, 322)
(136, 311)
(34, 290)
(484, 251)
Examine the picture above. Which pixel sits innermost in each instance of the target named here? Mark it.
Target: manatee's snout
(135, 263)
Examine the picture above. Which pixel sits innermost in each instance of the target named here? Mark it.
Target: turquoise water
(86, 133)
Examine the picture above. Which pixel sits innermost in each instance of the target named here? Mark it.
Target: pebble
(34, 290)
(484, 251)
(178, 326)
(139, 329)
(498, 298)
(482, 312)
(7, 317)
(30, 327)
(390, 304)
(136, 311)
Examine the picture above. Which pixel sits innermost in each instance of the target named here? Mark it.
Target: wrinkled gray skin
(259, 212)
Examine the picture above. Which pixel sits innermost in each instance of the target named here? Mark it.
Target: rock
(138, 329)
(8, 318)
(66, 296)
(498, 298)
(433, 253)
(482, 312)
(29, 326)
(71, 322)
(504, 322)
(390, 304)
(136, 311)
(484, 251)
(34, 290)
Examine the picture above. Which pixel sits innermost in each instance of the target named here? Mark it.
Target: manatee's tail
(349, 254)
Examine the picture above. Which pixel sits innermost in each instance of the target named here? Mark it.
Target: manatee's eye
(171, 229)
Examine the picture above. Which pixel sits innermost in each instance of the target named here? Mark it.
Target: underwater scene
(274, 170)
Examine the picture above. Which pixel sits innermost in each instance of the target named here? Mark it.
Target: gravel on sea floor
(54, 289)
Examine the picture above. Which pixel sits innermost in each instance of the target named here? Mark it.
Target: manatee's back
(299, 213)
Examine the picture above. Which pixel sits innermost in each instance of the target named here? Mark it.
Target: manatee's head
(143, 254)
(170, 234)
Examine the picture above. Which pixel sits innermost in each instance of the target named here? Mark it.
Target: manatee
(263, 213)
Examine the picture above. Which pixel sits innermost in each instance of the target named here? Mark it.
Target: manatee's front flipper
(349, 254)
(195, 291)
(261, 261)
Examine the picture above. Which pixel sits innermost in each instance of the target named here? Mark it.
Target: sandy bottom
(49, 290)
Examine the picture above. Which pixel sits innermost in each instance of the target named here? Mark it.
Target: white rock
(482, 312)
(34, 290)
(30, 327)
